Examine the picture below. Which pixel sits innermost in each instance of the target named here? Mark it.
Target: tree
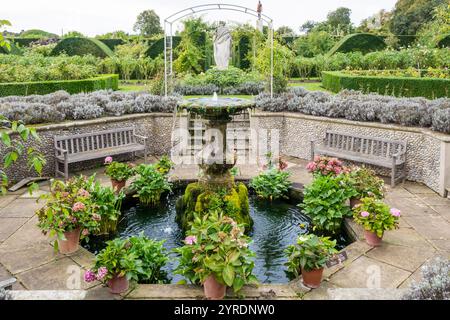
(433, 31)
(285, 31)
(308, 26)
(148, 24)
(74, 34)
(410, 15)
(3, 42)
(314, 43)
(340, 18)
(377, 23)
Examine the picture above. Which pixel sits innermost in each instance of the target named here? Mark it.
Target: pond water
(276, 225)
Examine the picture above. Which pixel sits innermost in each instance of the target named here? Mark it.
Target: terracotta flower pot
(313, 278)
(354, 202)
(71, 244)
(213, 289)
(118, 185)
(118, 284)
(372, 239)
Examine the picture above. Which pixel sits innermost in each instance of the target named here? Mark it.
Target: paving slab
(27, 257)
(171, 291)
(397, 192)
(444, 211)
(10, 225)
(27, 235)
(5, 275)
(417, 188)
(61, 274)
(405, 237)
(432, 227)
(34, 195)
(369, 273)
(354, 251)
(5, 200)
(366, 294)
(410, 206)
(83, 258)
(320, 293)
(21, 208)
(434, 199)
(407, 258)
(101, 292)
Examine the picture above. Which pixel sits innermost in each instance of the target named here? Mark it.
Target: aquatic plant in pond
(149, 184)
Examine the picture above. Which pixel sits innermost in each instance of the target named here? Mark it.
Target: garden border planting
(101, 82)
(430, 88)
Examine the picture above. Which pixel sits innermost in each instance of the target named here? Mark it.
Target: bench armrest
(63, 151)
(141, 137)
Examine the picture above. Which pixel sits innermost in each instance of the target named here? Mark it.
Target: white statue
(222, 46)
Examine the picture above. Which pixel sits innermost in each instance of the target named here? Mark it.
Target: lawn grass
(311, 86)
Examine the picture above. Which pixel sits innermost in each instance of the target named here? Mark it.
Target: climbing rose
(89, 276)
(395, 212)
(101, 273)
(108, 160)
(190, 240)
(79, 206)
(365, 214)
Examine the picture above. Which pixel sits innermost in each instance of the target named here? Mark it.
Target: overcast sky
(93, 17)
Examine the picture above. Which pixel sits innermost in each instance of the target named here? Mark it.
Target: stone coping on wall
(438, 135)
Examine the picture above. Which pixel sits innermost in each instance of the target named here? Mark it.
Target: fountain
(216, 186)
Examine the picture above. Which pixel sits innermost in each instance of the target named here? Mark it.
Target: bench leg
(394, 171)
(66, 170)
(446, 193)
(56, 168)
(312, 150)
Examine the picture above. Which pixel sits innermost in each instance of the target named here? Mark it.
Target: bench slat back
(96, 140)
(383, 148)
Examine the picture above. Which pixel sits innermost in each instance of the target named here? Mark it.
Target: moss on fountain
(198, 198)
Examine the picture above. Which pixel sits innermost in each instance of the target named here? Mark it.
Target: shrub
(216, 246)
(325, 202)
(355, 106)
(309, 253)
(366, 183)
(444, 42)
(435, 283)
(362, 42)
(13, 49)
(431, 88)
(102, 82)
(157, 48)
(324, 166)
(118, 171)
(82, 47)
(376, 216)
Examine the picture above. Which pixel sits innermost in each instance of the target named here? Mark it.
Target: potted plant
(324, 166)
(150, 184)
(164, 165)
(376, 217)
(366, 184)
(216, 254)
(118, 172)
(271, 184)
(308, 257)
(69, 214)
(136, 258)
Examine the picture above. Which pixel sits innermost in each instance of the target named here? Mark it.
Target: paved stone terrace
(424, 233)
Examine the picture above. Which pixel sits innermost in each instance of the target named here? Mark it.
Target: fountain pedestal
(216, 188)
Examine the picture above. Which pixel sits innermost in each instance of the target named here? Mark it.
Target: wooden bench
(446, 192)
(96, 145)
(370, 150)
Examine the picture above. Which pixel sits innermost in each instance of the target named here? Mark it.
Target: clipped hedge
(157, 47)
(444, 42)
(112, 43)
(430, 88)
(12, 50)
(362, 42)
(81, 47)
(23, 42)
(107, 81)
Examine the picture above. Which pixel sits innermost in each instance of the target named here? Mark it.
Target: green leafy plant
(118, 171)
(309, 253)
(271, 184)
(216, 245)
(14, 135)
(164, 165)
(376, 216)
(366, 183)
(67, 208)
(325, 202)
(150, 184)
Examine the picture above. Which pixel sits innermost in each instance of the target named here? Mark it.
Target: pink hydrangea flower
(85, 232)
(83, 193)
(395, 212)
(311, 166)
(108, 160)
(101, 273)
(89, 276)
(365, 214)
(190, 240)
(79, 206)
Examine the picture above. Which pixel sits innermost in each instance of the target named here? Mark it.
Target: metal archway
(168, 40)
